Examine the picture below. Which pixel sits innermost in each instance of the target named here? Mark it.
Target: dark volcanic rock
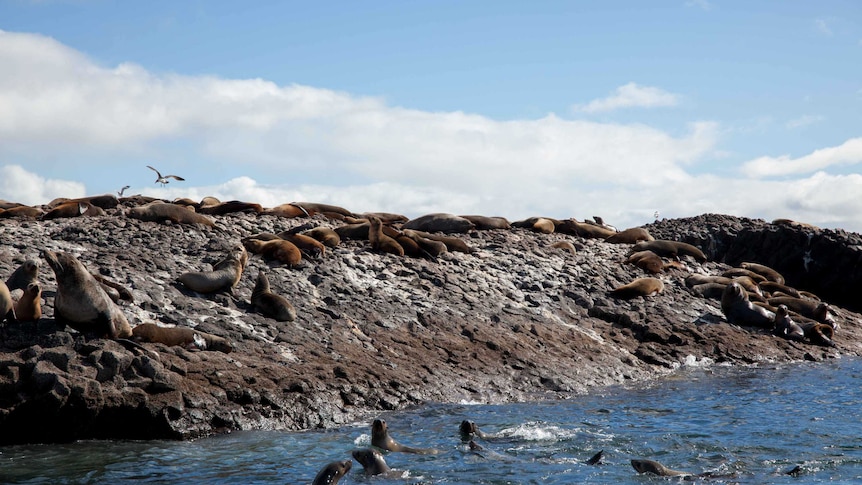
(514, 320)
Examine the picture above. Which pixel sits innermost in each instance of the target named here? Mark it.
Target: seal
(306, 244)
(22, 212)
(584, 230)
(439, 222)
(485, 223)
(28, 308)
(357, 231)
(325, 235)
(453, 243)
(468, 430)
(774, 288)
(312, 208)
(164, 211)
(670, 249)
(656, 468)
(277, 249)
(386, 217)
(229, 207)
(737, 272)
(115, 290)
(565, 246)
(639, 287)
(709, 290)
(695, 279)
(80, 301)
(818, 333)
(73, 209)
(630, 236)
(6, 303)
(785, 327)
(596, 459)
(187, 338)
(268, 303)
(381, 242)
(647, 261)
(286, 211)
(371, 460)
(541, 225)
(738, 309)
(332, 473)
(430, 246)
(24, 275)
(380, 438)
(224, 276)
(816, 310)
(765, 271)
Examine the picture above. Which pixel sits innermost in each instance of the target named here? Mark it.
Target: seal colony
(424, 314)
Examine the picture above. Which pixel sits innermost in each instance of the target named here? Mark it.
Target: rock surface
(514, 320)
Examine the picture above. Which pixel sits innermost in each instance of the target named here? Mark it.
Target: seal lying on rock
(670, 249)
(381, 439)
(224, 276)
(639, 287)
(332, 472)
(28, 308)
(24, 275)
(268, 303)
(739, 310)
(185, 337)
(80, 301)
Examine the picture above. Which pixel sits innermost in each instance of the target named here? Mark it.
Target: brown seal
(371, 460)
(184, 337)
(28, 308)
(737, 272)
(163, 211)
(6, 303)
(777, 289)
(224, 276)
(485, 223)
(287, 211)
(380, 438)
(468, 430)
(277, 249)
(115, 290)
(325, 235)
(80, 301)
(699, 279)
(430, 246)
(268, 303)
(785, 327)
(738, 309)
(543, 225)
(73, 209)
(22, 212)
(386, 217)
(306, 244)
(630, 236)
(24, 275)
(312, 208)
(656, 468)
(709, 290)
(765, 271)
(565, 246)
(332, 473)
(647, 261)
(439, 222)
(639, 287)
(381, 242)
(671, 249)
(816, 310)
(453, 243)
(796, 224)
(584, 230)
(229, 207)
(818, 333)
(357, 231)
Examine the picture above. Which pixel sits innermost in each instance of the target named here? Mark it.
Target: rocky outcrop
(513, 320)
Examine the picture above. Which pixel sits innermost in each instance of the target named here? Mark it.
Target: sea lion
(186, 202)
(796, 224)
(278, 249)
(812, 309)
(80, 301)
(709, 290)
(597, 458)
(818, 333)
(639, 287)
(453, 243)
(357, 231)
(656, 468)
(565, 246)
(430, 246)
(699, 279)
(371, 460)
(325, 235)
(28, 308)
(671, 249)
(73, 209)
(115, 290)
(286, 210)
(542, 225)
(765, 271)
(229, 207)
(468, 429)
(484, 223)
(381, 242)
(584, 230)
(785, 327)
(6, 303)
(187, 338)
(774, 287)
(22, 212)
(439, 222)
(24, 275)
(224, 276)
(739, 310)
(646, 260)
(630, 236)
(380, 438)
(737, 272)
(164, 211)
(268, 303)
(306, 244)
(332, 473)
(386, 217)
(312, 208)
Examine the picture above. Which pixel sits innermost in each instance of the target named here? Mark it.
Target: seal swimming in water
(184, 337)
(380, 438)
(80, 301)
(268, 303)
(656, 468)
(332, 472)
(371, 460)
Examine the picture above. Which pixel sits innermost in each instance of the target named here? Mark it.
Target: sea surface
(752, 423)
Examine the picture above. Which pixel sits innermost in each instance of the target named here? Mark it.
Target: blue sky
(564, 109)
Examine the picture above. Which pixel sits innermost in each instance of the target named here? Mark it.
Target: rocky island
(515, 314)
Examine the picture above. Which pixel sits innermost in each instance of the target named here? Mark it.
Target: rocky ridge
(514, 320)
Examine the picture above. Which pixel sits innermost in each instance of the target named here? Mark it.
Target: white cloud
(823, 26)
(19, 185)
(804, 121)
(630, 95)
(704, 4)
(848, 153)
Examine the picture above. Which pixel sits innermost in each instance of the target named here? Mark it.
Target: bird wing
(154, 170)
(174, 177)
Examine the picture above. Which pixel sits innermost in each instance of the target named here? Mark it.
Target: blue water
(756, 423)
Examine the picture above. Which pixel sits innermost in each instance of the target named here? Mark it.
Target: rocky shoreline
(514, 320)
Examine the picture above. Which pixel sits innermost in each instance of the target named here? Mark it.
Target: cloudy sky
(565, 109)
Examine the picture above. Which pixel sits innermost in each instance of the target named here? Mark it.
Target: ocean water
(752, 423)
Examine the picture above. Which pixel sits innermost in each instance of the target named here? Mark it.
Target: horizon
(555, 109)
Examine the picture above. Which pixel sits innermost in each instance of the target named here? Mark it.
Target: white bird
(163, 180)
(120, 192)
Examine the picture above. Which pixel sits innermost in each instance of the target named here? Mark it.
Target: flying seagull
(120, 192)
(164, 180)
